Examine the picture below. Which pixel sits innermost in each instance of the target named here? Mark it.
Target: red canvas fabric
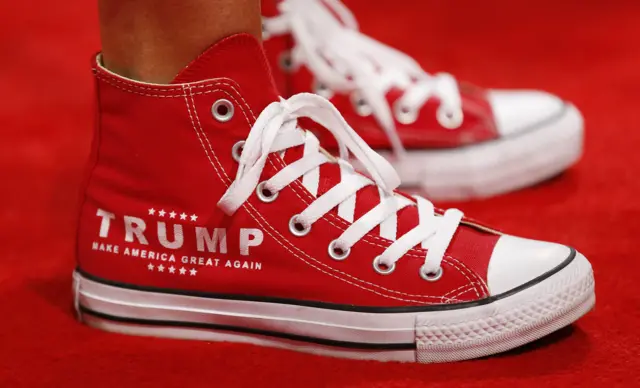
(162, 158)
(583, 51)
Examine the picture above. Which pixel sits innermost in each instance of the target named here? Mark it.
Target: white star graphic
(183, 271)
(152, 211)
(172, 215)
(172, 269)
(193, 272)
(194, 217)
(161, 268)
(161, 213)
(150, 266)
(183, 216)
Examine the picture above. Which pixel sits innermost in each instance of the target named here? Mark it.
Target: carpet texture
(585, 51)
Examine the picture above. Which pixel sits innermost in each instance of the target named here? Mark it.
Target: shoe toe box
(516, 261)
(516, 111)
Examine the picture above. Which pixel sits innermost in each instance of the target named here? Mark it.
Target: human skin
(152, 40)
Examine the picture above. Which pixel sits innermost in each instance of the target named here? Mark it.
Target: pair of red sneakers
(210, 212)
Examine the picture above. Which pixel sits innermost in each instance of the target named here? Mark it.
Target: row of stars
(162, 213)
(172, 269)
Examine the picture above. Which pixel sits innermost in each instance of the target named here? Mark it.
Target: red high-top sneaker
(455, 140)
(209, 214)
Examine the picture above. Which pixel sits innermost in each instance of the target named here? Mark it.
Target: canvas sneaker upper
(209, 186)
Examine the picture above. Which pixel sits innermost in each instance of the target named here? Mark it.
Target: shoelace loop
(276, 130)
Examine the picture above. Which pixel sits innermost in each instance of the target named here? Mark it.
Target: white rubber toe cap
(520, 110)
(516, 261)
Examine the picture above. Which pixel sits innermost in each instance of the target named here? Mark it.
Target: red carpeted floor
(585, 51)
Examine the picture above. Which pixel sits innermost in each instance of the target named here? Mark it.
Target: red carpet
(585, 51)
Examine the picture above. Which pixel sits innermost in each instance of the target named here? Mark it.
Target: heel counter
(90, 165)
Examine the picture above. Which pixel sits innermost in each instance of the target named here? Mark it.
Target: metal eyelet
(336, 252)
(405, 115)
(286, 62)
(430, 276)
(222, 110)
(236, 151)
(360, 105)
(322, 90)
(448, 118)
(265, 194)
(381, 270)
(298, 228)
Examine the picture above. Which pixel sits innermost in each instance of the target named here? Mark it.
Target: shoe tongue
(240, 58)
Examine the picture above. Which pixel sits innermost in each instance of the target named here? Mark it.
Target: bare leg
(152, 40)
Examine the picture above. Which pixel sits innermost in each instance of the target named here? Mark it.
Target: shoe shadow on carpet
(55, 291)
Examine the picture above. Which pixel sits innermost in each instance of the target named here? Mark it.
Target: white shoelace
(276, 130)
(344, 60)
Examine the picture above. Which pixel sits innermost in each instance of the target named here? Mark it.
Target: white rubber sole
(451, 334)
(486, 169)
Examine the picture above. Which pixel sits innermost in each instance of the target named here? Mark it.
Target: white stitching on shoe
(462, 293)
